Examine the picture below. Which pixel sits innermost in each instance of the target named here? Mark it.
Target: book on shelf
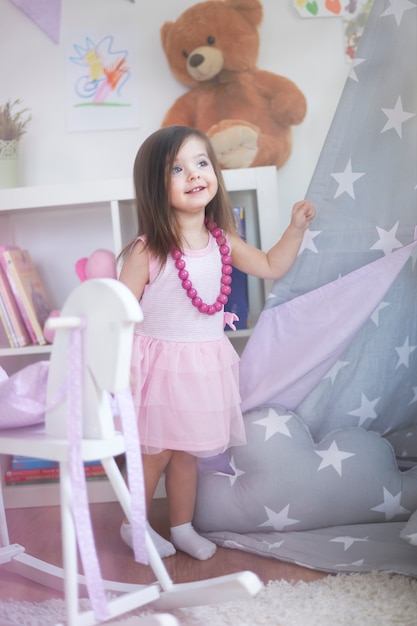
(10, 316)
(27, 289)
(7, 338)
(19, 462)
(38, 475)
(239, 298)
(4, 338)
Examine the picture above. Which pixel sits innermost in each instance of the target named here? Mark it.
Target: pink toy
(100, 264)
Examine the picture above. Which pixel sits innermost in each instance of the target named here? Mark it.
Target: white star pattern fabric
(366, 411)
(387, 241)
(279, 520)
(375, 316)
(332, 374)
(237, 472)
(348, 541)
(333, 457)
(308, 241)
(355, 62)
(397, 9)
(396, 117)
(274, 423)
(328, 478)
(391, 505)
(339, 504)
(346, 180)
(404, 353)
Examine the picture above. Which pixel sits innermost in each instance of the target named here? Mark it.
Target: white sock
(164, 547)
(186, 539)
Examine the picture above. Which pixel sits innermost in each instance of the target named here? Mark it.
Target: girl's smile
(196, 189)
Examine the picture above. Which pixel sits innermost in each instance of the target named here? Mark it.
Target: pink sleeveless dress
(185, 370)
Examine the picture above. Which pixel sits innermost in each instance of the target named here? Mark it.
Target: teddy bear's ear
(165, 30)
(251, 10)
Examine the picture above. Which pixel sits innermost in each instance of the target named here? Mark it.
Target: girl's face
(192, 182)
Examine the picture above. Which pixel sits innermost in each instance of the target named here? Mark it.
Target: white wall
(32, 67)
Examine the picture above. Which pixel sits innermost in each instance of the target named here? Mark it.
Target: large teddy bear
(247, 112)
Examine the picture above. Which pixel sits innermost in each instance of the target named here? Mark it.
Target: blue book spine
(239, 298)
(27, 462)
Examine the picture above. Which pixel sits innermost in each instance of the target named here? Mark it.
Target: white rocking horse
(89, 375)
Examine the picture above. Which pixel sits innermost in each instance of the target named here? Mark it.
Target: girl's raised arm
(278, 260)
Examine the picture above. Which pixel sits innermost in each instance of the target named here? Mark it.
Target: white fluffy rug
(374, 599)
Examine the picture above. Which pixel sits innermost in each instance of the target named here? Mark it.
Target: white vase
(9, 164)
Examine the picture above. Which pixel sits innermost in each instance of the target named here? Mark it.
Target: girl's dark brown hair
(151, 175)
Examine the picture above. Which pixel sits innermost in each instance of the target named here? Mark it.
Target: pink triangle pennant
(45, 13)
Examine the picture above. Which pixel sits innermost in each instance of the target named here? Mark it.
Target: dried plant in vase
(13, 122)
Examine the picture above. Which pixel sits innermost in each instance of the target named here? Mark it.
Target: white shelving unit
(62, 223)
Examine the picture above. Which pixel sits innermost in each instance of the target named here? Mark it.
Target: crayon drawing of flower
(104, 72)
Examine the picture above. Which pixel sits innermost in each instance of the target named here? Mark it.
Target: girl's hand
(302, 214)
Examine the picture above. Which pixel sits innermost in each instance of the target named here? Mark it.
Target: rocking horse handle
(54, 323)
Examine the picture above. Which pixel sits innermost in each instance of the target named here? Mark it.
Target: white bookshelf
(60, 224)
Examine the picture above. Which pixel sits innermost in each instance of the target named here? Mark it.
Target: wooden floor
(38, 530)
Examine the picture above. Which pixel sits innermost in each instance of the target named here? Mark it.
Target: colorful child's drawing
(101, 78)
(106, 71)
(353, 12)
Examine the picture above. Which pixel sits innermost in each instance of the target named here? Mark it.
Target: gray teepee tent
(364, 188)
(329, 375)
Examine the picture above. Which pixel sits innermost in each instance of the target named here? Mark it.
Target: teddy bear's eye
(185, 54)
(210, 40)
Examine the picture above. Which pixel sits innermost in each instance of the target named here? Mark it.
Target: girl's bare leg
(181, 484)
(153, 468)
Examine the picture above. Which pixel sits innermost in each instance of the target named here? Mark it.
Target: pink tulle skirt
(187, 395)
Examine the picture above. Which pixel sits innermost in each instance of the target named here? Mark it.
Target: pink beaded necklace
(226, 279)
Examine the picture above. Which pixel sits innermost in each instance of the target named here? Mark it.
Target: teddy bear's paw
(236, 146)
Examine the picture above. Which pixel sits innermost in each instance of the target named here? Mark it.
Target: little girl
(184, 368)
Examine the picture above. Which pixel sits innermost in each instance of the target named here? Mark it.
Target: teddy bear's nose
(195, 60)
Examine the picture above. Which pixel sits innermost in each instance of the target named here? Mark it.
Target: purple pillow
(23, 396)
